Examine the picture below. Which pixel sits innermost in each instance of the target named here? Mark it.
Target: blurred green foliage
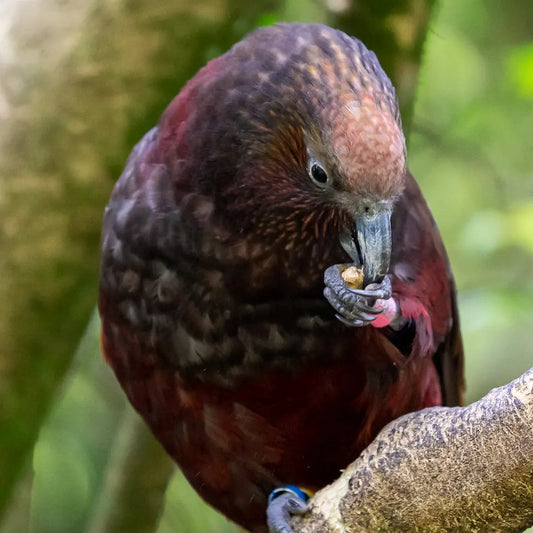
(470, 149)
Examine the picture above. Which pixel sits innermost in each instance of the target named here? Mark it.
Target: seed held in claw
(353, 277)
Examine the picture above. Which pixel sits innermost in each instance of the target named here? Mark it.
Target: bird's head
(300, 143)
(360, 167)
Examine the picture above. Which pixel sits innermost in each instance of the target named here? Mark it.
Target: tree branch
(440, 469)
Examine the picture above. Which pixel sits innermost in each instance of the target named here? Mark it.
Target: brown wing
(423, 278)
(450, 361)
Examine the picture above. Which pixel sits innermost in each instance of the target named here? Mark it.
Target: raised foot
(283, 503)
(355, 307)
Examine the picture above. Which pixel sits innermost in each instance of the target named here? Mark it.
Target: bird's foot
(283, 503)
(359, 307)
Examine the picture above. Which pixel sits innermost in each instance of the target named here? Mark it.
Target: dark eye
(318, 174)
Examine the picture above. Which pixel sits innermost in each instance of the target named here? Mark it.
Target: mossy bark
(461, 469)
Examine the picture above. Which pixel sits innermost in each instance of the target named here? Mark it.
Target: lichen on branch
(439, 469)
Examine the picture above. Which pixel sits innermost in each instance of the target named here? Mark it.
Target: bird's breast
(227, 344)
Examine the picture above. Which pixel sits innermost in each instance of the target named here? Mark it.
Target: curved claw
(281, 508)
(333, 280)
(354, 307)
(348, 309)
(350, 324)
(356, 314)
(368, 308)
(381, 291)
(351, 313)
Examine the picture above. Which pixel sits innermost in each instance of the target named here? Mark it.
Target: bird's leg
(373, 305)
(283, 503)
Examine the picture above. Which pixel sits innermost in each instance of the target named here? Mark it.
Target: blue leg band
(291, 489)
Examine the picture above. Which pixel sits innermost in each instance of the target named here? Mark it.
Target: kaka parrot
(225, 316)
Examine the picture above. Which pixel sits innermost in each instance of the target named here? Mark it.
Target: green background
(91, 466)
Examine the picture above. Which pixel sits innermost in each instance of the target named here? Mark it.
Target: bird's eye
(318, 174)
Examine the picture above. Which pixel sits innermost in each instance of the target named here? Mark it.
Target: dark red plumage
(214, 247)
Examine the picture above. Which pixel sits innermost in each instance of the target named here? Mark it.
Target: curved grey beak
(370, 244)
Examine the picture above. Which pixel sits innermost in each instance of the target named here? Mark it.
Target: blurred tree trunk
(80, 82)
